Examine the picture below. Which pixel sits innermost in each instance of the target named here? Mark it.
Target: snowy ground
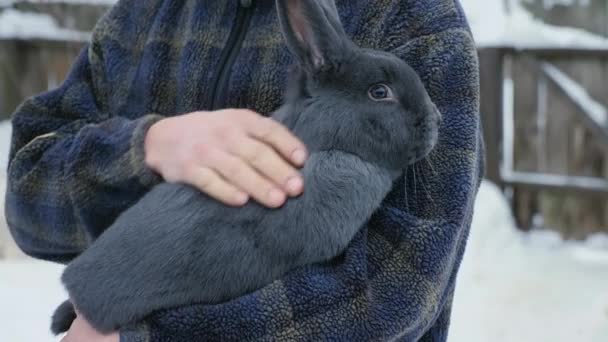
(29, 292)
(516, 287)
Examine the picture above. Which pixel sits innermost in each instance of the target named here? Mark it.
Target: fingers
(280, 138)
(269, 163)
(241, 172)
(211, 183)
(230, 156)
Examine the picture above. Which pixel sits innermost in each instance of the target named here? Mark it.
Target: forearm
(66, 186)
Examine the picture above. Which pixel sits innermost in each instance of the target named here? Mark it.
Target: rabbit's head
(366, 102)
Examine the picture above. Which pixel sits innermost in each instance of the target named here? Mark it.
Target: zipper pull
(246, 3)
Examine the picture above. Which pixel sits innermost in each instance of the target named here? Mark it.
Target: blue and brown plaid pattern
(77, 161)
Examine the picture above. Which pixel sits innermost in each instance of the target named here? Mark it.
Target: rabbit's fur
(177, 246)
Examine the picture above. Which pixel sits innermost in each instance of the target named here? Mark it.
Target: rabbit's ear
(313, 31)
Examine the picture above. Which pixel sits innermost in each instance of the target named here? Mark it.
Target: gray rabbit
(364, 116)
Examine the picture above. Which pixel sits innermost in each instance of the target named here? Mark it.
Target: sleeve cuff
(145, 174)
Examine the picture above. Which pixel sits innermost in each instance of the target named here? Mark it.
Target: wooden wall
(31, 67)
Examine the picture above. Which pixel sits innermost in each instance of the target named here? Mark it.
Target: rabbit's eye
(379, 92)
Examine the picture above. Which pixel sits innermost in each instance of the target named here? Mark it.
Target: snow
(512, 286)
(15, 24)
(29, 292)
(493, 25)
(595, 110)
(508, 108)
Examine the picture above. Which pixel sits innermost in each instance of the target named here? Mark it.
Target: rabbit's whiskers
(415, 181)
(405, 189)
(430, 164)
(428, 193)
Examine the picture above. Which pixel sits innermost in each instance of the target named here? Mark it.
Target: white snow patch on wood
(16, 24)
(492, 25)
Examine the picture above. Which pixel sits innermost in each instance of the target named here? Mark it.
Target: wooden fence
(29, 67)
(546, 131)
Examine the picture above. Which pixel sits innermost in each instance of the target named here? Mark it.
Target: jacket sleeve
(73, 165)
(396, 279)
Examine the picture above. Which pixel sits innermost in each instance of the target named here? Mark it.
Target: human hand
(82, 331)
(230, 154)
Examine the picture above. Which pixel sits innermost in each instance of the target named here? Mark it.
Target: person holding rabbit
(148, 102)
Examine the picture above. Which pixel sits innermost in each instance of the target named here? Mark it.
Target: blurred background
(536, 266)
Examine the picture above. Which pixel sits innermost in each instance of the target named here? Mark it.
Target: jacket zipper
(231, 51)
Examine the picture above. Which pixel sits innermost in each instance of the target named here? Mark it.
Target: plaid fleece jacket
(76, 162)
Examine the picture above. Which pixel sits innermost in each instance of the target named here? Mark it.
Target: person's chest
(205, 55)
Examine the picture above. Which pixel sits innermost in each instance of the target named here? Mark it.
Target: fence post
(490, 65)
